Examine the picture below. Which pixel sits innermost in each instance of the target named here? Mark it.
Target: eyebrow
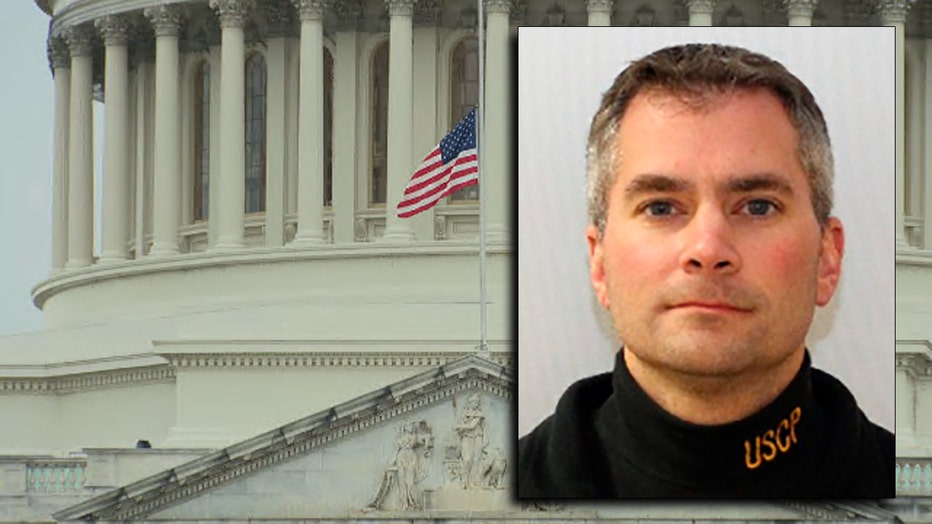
(655, 183)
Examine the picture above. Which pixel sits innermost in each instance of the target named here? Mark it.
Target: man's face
(712, 260)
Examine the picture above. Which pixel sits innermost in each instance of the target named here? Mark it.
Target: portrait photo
(705, 262)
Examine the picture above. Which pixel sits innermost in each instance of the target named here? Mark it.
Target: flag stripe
(451, 165)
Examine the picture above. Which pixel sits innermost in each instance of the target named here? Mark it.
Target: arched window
(202, 141)
(255, 133)
(328, 128)
(464, 80)
(378, 177)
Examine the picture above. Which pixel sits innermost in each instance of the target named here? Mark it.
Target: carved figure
(471, 429)
(408, 468)
(473, 462)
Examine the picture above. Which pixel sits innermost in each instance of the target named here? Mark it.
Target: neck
(711, 400)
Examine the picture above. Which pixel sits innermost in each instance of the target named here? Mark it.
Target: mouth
(709, 307)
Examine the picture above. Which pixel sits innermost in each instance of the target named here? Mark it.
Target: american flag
(451, 165)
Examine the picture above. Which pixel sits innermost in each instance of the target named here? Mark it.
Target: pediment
(435, 445)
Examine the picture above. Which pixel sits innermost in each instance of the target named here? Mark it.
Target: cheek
(786, 264)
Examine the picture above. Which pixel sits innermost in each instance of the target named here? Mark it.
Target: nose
(709, 244)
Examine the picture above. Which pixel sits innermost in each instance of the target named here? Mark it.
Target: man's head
(698, 74)
(710, 192)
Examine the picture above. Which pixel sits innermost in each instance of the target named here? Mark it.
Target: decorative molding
(114, 29)
(400, 7)
(81, 40)
(58, 53)
(260, 255)
(824, 511)
(232, 13)
(165, 19)
(87, 381)
(800, 7)
(470, 374)
(222, 361)
(310, 9)
(600, 6)
(893, 11)
(700, 6)
(499, 6)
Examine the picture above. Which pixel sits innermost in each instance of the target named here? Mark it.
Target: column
(893, 13)
(311, 124)
(232, 184)
(115, 217)
(600, 12)
(700, 12)
(914, 112)
(80, 150)
(926, 172)
(497, 170)
(344, 132)
(166, 20)
(400, 124)
(424, 114)
(278, 19)
(144, 58)
(800, 12)
(61, 69)
(906, 400)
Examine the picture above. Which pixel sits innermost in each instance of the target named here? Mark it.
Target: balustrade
(54, 476)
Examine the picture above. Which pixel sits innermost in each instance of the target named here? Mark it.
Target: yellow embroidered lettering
(794, 419)
(774, 441)
(747, 454)
(783, 446)
(768, 441)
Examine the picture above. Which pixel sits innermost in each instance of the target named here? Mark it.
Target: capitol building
(259, 336)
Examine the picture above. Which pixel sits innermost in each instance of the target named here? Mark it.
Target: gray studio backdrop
(563, 335)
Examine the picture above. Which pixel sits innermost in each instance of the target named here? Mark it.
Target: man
(710, 244)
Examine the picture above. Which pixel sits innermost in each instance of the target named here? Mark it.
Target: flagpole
(480, 139)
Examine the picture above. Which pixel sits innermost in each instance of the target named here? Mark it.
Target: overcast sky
(26, 116)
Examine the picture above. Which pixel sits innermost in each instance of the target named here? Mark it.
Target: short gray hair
(697, 74)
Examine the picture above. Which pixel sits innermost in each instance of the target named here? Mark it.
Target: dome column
(400, 116)
(497, 171)
(600, 12)
(799, 12)
(311, 124)
(166, 187)
(115, 218)
(232, 181)
(80, 150)
(700, 12)
(61, 69)
(279, 20)
(893, 13)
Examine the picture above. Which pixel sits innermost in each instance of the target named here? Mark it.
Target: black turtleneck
(608, 439)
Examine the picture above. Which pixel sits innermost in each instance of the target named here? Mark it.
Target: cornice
(147, 266)
(271, 360)
(914, 257)
(915, 357)
(83, 11)
(59, 385)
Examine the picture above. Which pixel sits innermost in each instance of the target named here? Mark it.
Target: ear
(833, 249)
(597, 266)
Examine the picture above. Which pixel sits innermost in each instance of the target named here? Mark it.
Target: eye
(660, 208)
(760, 207)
